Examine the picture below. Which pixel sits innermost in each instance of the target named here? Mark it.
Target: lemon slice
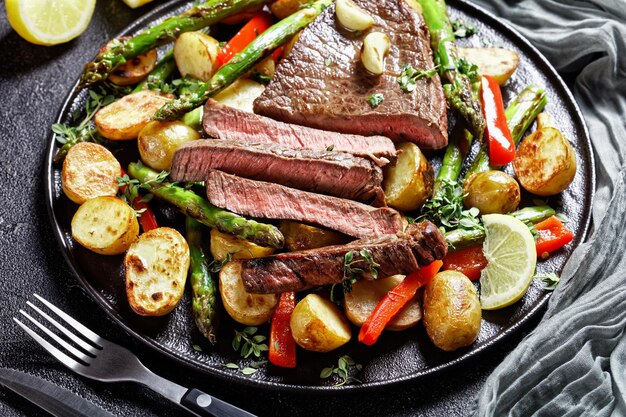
(49, 22)
(510, 251)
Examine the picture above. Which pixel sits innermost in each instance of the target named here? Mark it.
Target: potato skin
(134, 70)
(105, 225)
(243, 307)
(241, 94)
(284, 8)
(452, 312)
(545, 163)
(223, 244)
(317, 325)
(300, 236)
(89, 170)
(491, 192)
(156, 268)
(195, 54)
(408, 183)
(123, 119)
(365, 296)
(158, 141)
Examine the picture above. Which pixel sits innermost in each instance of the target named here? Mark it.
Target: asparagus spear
(160, 73)
(240, 63)
(459, 91)
(199, 16)
(460, 238)
(519, 115)
(203, 285)
(197, 207)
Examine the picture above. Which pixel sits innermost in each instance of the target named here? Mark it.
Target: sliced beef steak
(336, 173)
(402, 253)
(323, 84)
(224, 122)
(274, 201)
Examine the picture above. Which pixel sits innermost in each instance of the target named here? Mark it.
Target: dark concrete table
(34, 82)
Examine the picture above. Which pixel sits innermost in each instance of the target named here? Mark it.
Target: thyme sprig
(252, 368)
(549, 281)
(248, 343)
(409, 75)
(354, 263)
(446, 210)
(129, 188)
(342, 370)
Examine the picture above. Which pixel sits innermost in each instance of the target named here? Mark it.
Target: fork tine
(77, 353)
(80, 342)
(72, 322)
(66, 360)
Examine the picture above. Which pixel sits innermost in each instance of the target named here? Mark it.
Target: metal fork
(99, 359)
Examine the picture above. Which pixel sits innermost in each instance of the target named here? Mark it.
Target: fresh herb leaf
(562, 217)
(549, 281)
(247, 343)
(462, 29)
(248, 371)
(261, 78)
(446, 210)
(467, 68)
(197, 348)
(328, 61)
(342, 370)
(330, 147)
(375, 99)
(231, 365)
(409, 75)
(216, 265)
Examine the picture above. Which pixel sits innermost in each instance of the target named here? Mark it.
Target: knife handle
(206, 405)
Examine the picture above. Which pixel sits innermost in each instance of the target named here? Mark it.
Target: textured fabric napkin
(574, 363)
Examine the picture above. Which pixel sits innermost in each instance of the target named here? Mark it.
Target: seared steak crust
(322, 83)
(335, 173)
(224, 122)
(401, 253)
(274, 201)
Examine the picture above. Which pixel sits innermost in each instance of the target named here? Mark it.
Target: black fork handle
(206, 405)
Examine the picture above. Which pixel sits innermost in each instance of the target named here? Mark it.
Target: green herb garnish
(462, 29)
(248, 343)
(467, 68)
(549, 281)
(410, 75)
(375, 99)
(342, 370)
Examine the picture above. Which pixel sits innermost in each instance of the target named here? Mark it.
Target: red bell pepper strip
(395, 299)
(255, 26)
(501, 145)
(553, 235)
(282, 350)
(147, 220)
(468, 261)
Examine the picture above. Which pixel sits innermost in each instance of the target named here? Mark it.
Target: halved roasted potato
(105, 225)
(545, 163)
(408, 183)
(223, 244)
(134, 70)
(158, 141)
(242, 306)
(500, 63)
(241, 94)
(300, 236)
(195, 54)
(284, 8)
(491, 192)
(156, 268)
(317, 325)
(89, 170)
(123, 119)
(365, 295)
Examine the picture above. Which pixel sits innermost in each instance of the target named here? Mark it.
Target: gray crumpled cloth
(574, 362)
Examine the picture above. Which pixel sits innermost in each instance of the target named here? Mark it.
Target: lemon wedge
(49, 22)
(510, 251)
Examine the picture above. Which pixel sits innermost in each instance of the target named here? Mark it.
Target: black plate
(397, 357)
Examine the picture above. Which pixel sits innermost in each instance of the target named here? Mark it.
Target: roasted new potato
(452, 312)
(89, 170)
(545, 163)
(284, 8)
(408, 183)
(289, 45)
(134, 70)
(105, 225)
(156, 268)
(365, 296)
(491, 192)
(500, 63)
(241, 94)
(317, 325)
(195, 54)
(158, 141)
(243, 307)
(300, 236)
(123, 119)
(223, 244)
(265, 68)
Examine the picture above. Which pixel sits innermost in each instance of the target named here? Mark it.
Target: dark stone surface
(34, 82)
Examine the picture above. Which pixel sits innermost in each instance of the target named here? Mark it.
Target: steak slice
(224, 122)
(336, 173)
(402, 253)
(323, 84)
(274, 201)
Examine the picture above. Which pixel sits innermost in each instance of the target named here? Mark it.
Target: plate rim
(465, 6)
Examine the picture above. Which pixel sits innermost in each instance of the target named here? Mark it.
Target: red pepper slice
(255, 26)
(395, 299)
(282, 346)
(147, 220)
(501, 145)
(553, 235)
(468, 261)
